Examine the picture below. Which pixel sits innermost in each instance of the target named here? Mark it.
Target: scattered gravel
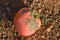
(49, 11)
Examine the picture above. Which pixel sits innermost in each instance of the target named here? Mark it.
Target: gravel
(49, 11)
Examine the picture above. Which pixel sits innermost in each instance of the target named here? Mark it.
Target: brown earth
(50, 17)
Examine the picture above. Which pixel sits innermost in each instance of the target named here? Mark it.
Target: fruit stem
(35, 14)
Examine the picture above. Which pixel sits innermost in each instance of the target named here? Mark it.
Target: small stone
(3, 32)
(25, 1)
(39, 4)
(43, 36)
(34, 0)
(4, 35)
(12, 28)
(47, 11)
(33, 4)
(7, 29)
(39, 10)
(37, 0)
(48, 29)
(58, 34)
(15, 34)
(51, 26)
(9, 32)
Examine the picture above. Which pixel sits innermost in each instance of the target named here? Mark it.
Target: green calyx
(35, 14)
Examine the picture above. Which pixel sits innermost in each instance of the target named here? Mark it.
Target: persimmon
(27, 22)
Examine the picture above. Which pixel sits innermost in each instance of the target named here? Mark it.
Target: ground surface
(50, 17)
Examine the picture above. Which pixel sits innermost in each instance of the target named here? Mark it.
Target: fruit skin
(20, 22)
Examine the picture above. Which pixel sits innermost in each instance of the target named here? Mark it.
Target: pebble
(39, 10)
(7, 29)
(43, 36)
(51, 26)
(4, 32)
(25, 2)
(48, 29)
(4, 35)
(57, 34)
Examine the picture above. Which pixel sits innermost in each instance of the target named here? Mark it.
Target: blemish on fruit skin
(24, 10)
(33, 25)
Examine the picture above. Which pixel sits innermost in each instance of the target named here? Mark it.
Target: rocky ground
(49, 14)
